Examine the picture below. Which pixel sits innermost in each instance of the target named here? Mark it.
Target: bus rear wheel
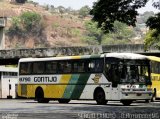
(100, 97)
(63, 100)
(39, 95)
(126, 102)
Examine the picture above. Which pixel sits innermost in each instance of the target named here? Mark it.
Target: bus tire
(99, 96)
(153, 99)
(39, 95)
(126, 102)
(63, 100)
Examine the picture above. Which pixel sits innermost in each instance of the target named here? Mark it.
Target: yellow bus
(155, 76)
(104, 77)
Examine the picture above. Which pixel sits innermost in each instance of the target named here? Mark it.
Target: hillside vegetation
(30, 25)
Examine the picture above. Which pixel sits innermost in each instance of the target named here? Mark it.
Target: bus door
(113, 75)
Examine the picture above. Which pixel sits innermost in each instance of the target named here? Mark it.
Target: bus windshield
(127, 71)
(133, 73)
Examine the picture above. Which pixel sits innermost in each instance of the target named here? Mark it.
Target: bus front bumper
(129, 95)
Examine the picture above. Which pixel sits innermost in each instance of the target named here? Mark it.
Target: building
(8, 76)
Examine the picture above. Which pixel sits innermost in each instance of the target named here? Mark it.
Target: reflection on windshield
(133, 73)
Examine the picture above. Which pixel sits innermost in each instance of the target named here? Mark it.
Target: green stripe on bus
(82, 81)
(69, 89)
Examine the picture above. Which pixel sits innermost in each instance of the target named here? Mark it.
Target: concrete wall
(63, 51)
(49, 52)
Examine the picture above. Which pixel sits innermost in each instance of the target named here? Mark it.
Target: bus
(155, 77)
(104, 77)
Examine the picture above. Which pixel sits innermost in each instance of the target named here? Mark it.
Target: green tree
(84, 11)
(15, 27)
(121, 34)
(26, 25)
(30, 21)
(122, 31)
(151, 40)
(106, 12)
(153, 22)
(93, 34)
(153, 36)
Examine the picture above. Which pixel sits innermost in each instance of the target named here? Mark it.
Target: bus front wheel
(99, 96)
(39, 95)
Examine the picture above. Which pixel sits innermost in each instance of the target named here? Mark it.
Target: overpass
(11, 56)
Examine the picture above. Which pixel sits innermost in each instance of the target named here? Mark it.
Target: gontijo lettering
(45, 79)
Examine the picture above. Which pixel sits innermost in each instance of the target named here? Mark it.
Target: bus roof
(126, 56)
(60, 58)
(154, 58)
(114, 55)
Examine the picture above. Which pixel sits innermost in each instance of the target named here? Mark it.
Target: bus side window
(79, 66)
(51, 67)
(95, 66)
(67, 67)
(99, 65)
(23, 68)
(91, 66)
(26, 68)
(38, 67)
(61, 67)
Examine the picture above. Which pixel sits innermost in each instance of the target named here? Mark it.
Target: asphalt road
(29, 109)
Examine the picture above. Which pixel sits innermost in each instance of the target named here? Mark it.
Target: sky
(77, 4)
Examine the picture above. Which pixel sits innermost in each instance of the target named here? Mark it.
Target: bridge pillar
(2, 35)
